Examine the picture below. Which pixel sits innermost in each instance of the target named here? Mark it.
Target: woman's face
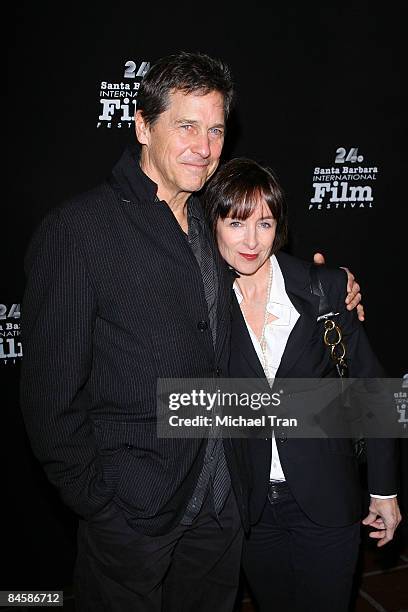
(246, 244)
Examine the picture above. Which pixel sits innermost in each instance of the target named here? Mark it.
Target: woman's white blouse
(277, 333)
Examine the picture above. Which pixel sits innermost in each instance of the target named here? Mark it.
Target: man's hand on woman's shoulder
(353, 297)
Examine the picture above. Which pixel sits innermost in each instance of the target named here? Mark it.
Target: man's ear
(142, 128)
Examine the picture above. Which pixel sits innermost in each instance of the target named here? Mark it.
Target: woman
(305, 503)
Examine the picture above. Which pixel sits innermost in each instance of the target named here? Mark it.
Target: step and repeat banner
(318, 99)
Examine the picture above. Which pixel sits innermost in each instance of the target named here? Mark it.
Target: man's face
(184, 145)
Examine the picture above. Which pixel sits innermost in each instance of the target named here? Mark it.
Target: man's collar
(138, 187)
(194, 209)
(134, 183)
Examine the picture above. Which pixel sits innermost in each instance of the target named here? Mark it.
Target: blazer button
(218, 372)
(128, 446)
(282, 437)
(202, 326)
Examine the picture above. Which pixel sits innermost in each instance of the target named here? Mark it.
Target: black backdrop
(315, 82)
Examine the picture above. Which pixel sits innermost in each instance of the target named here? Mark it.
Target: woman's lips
(249, 256)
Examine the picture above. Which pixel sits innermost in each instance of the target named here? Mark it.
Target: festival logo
(10, 346)
(401, 398)
(118, 100)
(349, 183)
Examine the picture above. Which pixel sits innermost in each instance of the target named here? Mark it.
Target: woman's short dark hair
(187, 72)
(236, 189)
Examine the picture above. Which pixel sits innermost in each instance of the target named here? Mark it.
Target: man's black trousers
(191, 569)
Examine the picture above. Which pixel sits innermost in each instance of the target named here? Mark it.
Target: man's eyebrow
(195, 122)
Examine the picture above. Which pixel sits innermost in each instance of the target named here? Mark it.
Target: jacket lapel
(297, 284)
(224, 302)
(241, 341)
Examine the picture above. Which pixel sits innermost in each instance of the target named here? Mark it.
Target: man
(126, 286)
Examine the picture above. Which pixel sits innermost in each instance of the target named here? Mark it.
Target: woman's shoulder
(291, 263)
(332, 279)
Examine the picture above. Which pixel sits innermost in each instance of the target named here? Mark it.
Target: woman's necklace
(262, 339)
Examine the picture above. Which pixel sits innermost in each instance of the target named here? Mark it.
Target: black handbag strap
(325, 313)
(332, 337)
(316, 288)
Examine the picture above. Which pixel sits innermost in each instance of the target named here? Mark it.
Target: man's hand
(353, 297)
(385, 516)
